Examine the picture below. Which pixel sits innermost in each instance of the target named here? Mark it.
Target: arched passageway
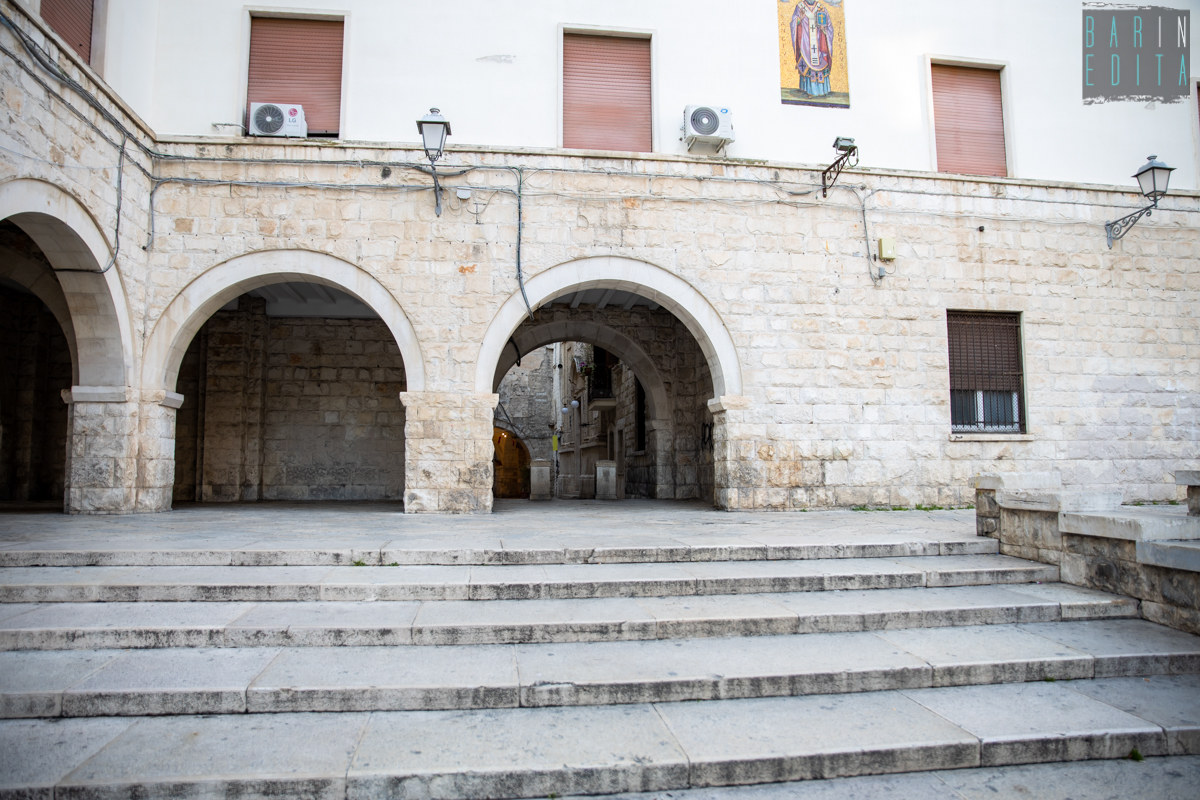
(36, 367)
(289, 388)
(510, 464)
(55, 254)
(627, 389)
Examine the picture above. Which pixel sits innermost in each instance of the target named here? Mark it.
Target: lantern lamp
(434, 129)
(1152, 178)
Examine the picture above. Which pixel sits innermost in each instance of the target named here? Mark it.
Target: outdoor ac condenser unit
(708, 125)
(277, 119)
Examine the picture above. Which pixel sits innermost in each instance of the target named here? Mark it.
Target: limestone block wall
(448, 452)
(288, 408)
(834, 391)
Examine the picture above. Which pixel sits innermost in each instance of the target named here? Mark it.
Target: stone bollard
(606, 480)
(1191, 479)
(539, 480)
(987, 507)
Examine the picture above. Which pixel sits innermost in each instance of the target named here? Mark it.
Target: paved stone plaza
(515, 524)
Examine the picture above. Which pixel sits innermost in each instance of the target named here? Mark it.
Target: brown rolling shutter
(986, 375)
(968, 121)
(72, 20)
(606, 93)
(298, 61)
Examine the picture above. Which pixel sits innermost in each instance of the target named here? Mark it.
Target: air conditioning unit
(708, 125)
(277, 119)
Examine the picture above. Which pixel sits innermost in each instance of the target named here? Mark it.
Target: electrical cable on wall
(46, 62)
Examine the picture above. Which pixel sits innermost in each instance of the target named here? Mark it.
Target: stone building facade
(825, 385)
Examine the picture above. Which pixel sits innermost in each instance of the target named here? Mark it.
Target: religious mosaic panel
(812, 53)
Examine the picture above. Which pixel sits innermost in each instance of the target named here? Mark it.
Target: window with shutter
(298, 61)
(986, 376)
(72, 20)
(968, 121)
(606, 93)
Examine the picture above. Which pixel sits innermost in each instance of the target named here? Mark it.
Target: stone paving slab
(242, 755)
(175, 681)
(1027, 723)
(32, 683)
(1168, 778)
(758, 741)
(89, 626)
(706, 669)
(519, 582)
(1077, 602)
(516, 753)
(331, 534)
(1172, 702)
(537, 752)
(991, 654)
(113, 625)
(820, 612)
(268, 680)
(372, 678)
(1128, 644)
(331, 624)
(516, 621)
(36, 754)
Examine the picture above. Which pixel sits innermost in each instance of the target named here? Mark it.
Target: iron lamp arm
(830, 175)
(1118, 228)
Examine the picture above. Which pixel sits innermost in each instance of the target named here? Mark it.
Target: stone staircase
(428, 670)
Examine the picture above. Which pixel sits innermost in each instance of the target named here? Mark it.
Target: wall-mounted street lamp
(434, 129)
(1152, 179)
(844, 145)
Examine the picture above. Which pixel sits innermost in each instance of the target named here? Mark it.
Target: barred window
(986, 380)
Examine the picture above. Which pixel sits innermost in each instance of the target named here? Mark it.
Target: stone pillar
(539, 480)
(156, 450)
(987, 513)
(1191, 479)
(102, 454)
(660, 443)
(448, 452)
(735, 473)
(606, 480)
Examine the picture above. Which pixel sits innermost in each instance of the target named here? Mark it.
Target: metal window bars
(986, 376)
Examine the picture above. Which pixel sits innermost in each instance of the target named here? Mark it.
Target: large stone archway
(528, 338)
(200, 299)
(90, 304)
(626, 274)
(226, 281)
(684, 301)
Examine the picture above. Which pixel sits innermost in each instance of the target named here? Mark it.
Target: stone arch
(530, 338)
(98, 328)
(230, 279)
(625, 274)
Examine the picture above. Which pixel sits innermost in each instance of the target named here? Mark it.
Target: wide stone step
(539, 752)
(273, 680)
(89, 626)
(531, 582)
(650, 547)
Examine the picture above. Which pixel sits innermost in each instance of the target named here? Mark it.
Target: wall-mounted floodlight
(844, 145)
(434, 129)
(1152, 179)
